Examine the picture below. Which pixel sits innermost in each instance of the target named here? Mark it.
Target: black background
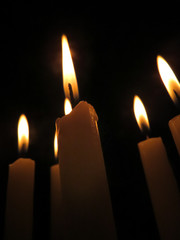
(114, 52)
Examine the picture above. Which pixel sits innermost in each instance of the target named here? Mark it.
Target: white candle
(162, 186)
(86, 199)
(173, 87)
(56, 198)
(20, 192)
(163, 189)
(85, 192)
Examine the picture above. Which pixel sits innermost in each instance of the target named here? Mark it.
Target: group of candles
(80, 200)
(163, 188)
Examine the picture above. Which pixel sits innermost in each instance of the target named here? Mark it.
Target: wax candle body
(162, 186)
(19, 204)
(85, 193)
(174, 125)
(56, 203)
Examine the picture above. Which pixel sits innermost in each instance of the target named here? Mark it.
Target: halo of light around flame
(140, 113)
(67, 106)
(55, 145)
(23, 133)
(69, 75)
(169, 78)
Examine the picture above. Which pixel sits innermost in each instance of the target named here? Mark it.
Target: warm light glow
(69, 75)
(168, 77)
(55, 145)
(67, 106)
(140, 113)
(23, 133)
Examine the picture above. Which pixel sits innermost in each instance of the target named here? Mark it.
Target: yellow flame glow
(140, 113)
(69, 75)
(67, 106)
(168, 77)
(23, 133)
(55, 145)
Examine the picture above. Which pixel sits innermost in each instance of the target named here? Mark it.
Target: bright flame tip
(168, 78)
(23, 133)
(63, 38)
(140, 114)
(69, 75)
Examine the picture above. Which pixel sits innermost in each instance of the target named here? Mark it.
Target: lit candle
(163, 189)
(20, 190)
(85, 193)
(56, 198)
(173, 87)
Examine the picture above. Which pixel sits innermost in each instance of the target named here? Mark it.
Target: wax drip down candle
(87, 210)
(20, 190)
(163, 189)
(173, 87)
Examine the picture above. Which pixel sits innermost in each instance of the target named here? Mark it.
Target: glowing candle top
(67, 106)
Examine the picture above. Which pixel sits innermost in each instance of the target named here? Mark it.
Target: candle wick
(71, 93)
(23, 150)
(72, 99)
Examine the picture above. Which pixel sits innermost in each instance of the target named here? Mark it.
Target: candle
(163, 189)
(173, 87)
(85, 193)
(56, 198)
(19, 205)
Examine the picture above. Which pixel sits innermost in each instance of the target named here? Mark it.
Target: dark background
(114, 52)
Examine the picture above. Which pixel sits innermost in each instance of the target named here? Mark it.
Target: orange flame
(55, 145)
(23, 133)
(168, 77)
(67, 106)
(140, 113)
(69, 76)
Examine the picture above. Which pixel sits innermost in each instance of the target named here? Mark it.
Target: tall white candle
(163, 189)
(87, 209)
(20, 192)
(85, 193)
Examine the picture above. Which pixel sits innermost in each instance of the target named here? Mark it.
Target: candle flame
(67, 106)
(169, 79)
(69, 75)
(140, 114)
(55, 145)
(23, 133)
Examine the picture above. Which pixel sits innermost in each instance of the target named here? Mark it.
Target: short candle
(20, 191)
